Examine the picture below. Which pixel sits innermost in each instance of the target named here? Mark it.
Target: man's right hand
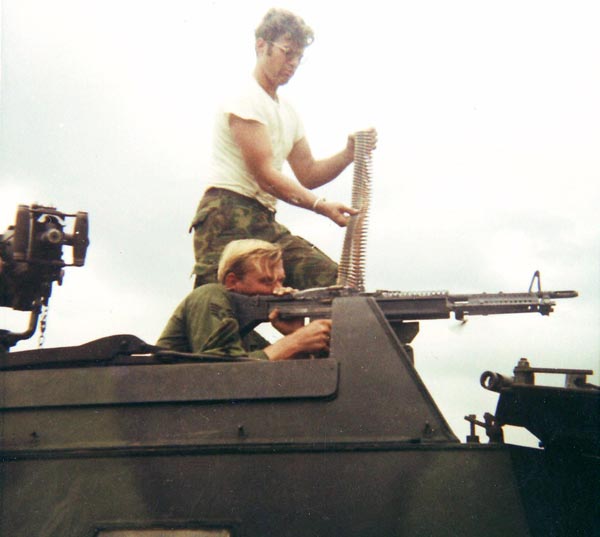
(311, 338)
(338, 212)
(315, 336)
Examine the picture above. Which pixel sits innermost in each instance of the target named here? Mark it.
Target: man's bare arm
(253, 140)
(315, 173)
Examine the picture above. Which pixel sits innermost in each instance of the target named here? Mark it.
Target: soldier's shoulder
(210, 290)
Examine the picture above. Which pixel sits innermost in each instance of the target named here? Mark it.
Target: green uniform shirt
(204, 323)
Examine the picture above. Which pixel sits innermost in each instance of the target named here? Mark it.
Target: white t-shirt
(228, 169)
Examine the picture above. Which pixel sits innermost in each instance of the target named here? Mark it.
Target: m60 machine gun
(398, 307)
(31, 260)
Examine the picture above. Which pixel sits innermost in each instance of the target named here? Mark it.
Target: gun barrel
(499, 303)
(494, 382)
(562, 294)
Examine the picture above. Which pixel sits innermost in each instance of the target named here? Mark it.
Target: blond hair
(244, 255)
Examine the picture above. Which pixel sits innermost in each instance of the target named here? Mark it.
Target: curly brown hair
(280, 22)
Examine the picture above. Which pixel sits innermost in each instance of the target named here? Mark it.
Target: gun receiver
(395, 305)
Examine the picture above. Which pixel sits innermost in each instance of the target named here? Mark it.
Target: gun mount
(31, 260)
(352, 444)
(559, 416)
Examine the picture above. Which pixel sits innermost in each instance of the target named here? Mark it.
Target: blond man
(205, 323)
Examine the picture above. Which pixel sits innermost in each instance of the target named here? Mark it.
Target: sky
(487, 166)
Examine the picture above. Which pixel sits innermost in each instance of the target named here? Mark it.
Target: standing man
(205, 322)
(255, 132)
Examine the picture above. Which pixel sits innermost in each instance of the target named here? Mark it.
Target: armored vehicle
(119, 438)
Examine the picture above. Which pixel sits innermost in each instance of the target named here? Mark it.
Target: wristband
(314, 205)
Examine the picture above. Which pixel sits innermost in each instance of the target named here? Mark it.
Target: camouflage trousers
(224, 216)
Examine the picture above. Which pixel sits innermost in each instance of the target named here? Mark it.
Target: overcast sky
(487, 168)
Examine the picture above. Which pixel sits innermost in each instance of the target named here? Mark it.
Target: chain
(43, 323)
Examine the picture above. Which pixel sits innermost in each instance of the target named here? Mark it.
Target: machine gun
(397, 306)
(31, 261)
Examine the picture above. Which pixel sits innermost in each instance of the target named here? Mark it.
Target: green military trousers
(224, 216)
